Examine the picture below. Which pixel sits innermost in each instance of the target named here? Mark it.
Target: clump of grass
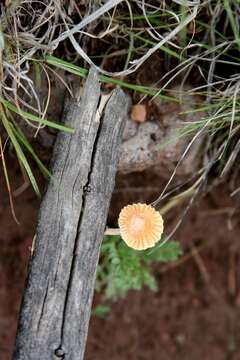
(197, 42)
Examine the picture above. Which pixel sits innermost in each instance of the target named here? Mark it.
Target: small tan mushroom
(141, 226)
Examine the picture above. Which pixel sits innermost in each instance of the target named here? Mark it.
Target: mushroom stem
(111, 231)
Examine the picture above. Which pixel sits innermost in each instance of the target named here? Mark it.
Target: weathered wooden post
(56, 308)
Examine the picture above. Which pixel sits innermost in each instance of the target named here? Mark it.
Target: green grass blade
(232, 21)
(77, 70)
(163, 48)
(22, 138)
(35, 118)
(5, 172)
(20, 154)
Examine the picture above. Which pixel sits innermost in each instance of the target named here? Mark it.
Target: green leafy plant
(121, 268)
(101, 310)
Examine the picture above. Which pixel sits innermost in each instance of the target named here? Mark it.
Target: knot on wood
(87, 188)
(60, 353)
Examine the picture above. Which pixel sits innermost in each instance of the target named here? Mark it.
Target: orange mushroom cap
(141, 226)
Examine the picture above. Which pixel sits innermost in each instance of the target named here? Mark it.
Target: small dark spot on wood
(60, 353)
(153, 137)
(87, 188)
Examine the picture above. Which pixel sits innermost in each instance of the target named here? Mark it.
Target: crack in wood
(85, 189)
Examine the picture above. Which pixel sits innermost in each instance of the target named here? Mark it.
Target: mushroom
(141, 226)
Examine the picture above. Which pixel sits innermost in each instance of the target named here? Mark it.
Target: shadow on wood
(56, 308)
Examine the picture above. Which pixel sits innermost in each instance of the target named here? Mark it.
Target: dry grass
(195, 39)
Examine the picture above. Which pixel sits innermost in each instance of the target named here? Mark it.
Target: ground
(194, 315)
